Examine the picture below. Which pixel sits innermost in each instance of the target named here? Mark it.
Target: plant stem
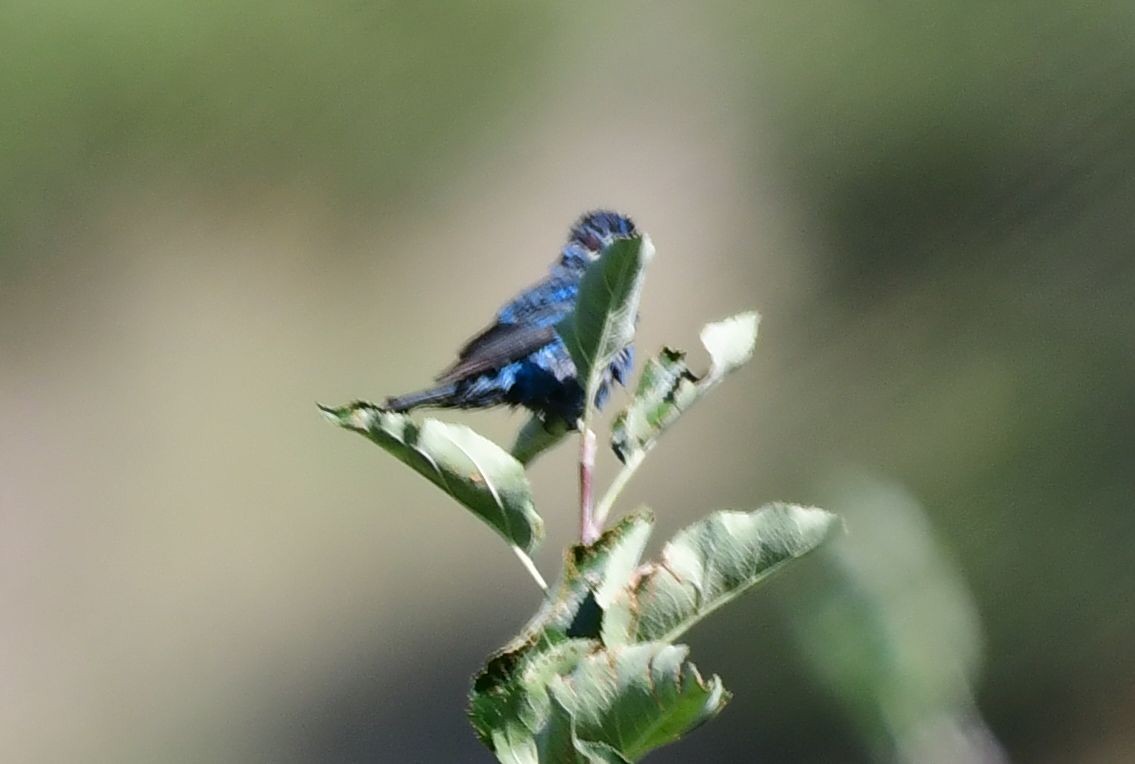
(588, 529)
(617, 485)
(530, 566)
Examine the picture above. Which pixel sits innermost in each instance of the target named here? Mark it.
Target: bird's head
(591, 233)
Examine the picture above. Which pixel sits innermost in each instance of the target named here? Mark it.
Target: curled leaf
(478, 473)
(634, 699)
(609, 707)
(667, 387)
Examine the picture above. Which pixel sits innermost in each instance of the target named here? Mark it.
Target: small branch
(617, 486)
(589, 530)
(530, 566)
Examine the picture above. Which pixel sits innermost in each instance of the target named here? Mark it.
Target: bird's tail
(441, 395)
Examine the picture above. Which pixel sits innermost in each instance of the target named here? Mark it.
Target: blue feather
(518, 360)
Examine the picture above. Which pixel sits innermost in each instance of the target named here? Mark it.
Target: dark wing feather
(496, 346)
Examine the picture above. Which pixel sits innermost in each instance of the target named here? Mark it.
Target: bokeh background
(214, 214)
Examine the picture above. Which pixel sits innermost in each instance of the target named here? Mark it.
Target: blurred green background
(213, 214)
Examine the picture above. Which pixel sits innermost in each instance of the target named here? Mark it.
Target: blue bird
(520, 360)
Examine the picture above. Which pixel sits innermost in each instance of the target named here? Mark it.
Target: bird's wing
(525, 324)
(496, 346)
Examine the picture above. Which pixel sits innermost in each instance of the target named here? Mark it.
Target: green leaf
(479, 474)
(603, 321)
(730, 342)
(597, 571)
(591, 679)
(631, 700)
(613, 707)
(598, 753)
(890, 628)
(665, 390)
(507, 712)
(559, 743)
(667, 387)
(509, 698)
(536, 437)
(708, 564)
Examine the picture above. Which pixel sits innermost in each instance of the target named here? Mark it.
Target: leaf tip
(827, 523)
(335, 414)
(731, 342)
(646, 248)
(356, 415)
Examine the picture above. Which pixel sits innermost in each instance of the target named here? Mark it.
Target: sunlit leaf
(633, 699)
(479, 474)
(667, 388)
(508, 707)
(613, 707)
(730, 342)
(509, 697)
(591, 678)
(603, 321)
(708, 564)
